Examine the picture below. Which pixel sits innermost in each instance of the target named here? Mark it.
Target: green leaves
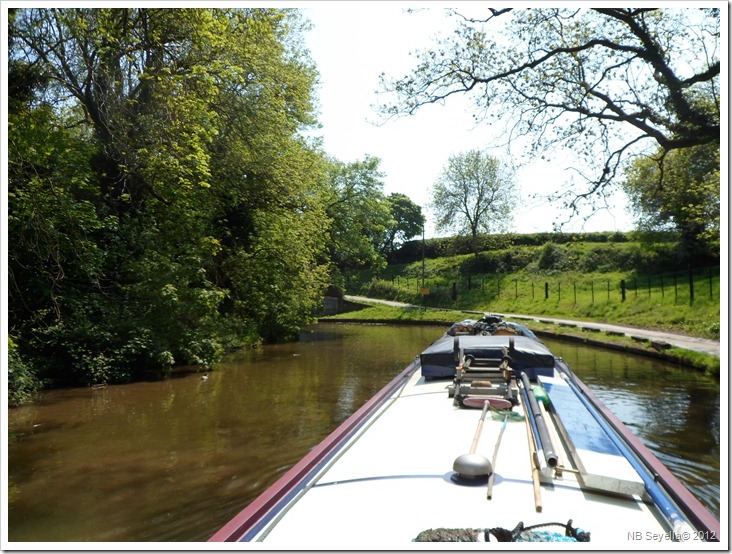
(360, 215)
(163, 206)
(407, 221)
(475, 193)
(680, 191)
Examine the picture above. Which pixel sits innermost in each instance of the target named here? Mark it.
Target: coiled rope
(518, 534)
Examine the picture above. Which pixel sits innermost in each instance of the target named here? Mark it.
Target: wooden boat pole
(533, 460)
(479, 429)
(493, 462)
(472, 465)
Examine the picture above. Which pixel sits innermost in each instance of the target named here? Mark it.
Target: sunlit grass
(373, 312)
(592, 297)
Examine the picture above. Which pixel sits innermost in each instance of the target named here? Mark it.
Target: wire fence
(694, 285)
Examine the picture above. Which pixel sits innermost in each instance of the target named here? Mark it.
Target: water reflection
(174, 460)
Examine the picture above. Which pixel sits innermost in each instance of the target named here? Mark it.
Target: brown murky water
(174, 460)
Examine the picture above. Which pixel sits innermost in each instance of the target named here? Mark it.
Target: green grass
(709, 364)
(382, 312)
(657, 301)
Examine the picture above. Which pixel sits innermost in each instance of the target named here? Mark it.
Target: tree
(604, 83)
(688, 200)
(407, 221)
(359, 213)
(162, 202)
(474, 194)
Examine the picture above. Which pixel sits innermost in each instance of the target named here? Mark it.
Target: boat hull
(386, 476)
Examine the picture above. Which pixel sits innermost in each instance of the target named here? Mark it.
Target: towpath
(696, 344)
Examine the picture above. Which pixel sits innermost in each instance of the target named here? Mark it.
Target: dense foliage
(163, 202)
(682, 195)
(407, 222)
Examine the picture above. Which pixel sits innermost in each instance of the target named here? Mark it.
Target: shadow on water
(174, 460)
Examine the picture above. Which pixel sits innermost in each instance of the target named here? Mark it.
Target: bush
(22, 381)
(554, 257)
(378, 288)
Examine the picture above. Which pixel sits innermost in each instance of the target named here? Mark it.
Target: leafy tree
(407, 221)
(603, 82)
(685, 199)
(473, 195)
(360, 215)
(162, 203)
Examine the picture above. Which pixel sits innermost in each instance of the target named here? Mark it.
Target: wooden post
(662, 292)
(691, 285)
(622, 289)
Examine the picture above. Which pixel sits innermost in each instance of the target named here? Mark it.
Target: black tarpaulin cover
(438, 360)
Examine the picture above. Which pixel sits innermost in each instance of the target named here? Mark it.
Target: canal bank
(652, 343)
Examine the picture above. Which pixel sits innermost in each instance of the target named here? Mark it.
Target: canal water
(175, 460)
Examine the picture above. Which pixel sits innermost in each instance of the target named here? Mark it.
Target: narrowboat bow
(486, 436)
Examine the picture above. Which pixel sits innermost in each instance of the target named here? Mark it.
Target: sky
(352, 44)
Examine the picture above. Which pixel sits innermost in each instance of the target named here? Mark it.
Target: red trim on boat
(235, 529)
(692, 508)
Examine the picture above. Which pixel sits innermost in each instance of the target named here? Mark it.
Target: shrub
(554, 257)
(22, 381)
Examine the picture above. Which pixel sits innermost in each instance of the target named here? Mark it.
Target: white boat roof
(394, 480)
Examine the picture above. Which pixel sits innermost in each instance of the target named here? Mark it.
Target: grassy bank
(622, 283)
(382, 313)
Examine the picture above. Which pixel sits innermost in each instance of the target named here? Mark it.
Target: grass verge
(380, 313)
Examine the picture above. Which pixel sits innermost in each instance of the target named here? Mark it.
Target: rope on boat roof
(518, 534)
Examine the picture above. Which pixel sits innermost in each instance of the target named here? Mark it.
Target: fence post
(574, 286)
(515, 284)
(608, 291)
(592, 286)
(662, 291)
(691, 285)
(532, 290)
(559, 291)
(546, 290)
(622, 289)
